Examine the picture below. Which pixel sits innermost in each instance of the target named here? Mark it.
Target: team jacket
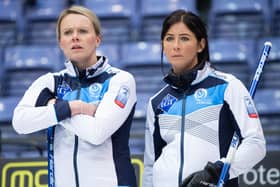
(214, 106)
(88, 150)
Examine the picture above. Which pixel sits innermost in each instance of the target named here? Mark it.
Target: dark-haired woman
(190, 121)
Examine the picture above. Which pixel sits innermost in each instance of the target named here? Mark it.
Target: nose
(75, 36)
(176, 45)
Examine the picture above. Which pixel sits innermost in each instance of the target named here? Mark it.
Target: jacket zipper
(76, 147)
(182, 140)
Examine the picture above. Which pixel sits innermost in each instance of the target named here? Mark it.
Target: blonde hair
(76, 9)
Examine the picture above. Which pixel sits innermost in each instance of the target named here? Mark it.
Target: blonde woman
(90, 105)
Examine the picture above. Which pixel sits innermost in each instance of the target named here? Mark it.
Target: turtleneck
(183, 81)
(88, 72)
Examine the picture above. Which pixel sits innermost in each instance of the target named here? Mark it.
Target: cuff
(62, 110)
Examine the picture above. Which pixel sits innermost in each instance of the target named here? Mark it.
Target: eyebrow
(67, 28)
(183, 34)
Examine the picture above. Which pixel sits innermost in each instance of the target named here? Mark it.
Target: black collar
(184, 80)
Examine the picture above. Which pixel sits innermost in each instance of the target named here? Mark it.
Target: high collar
(100, 66)
(185, 80)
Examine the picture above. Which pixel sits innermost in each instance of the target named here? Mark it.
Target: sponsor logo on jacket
(201, 97)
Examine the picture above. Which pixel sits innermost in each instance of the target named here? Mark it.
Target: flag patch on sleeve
(251, 110)
(122, 97)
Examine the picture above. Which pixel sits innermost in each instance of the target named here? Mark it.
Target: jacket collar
(192, 77)
(203, 73)
(96, 69)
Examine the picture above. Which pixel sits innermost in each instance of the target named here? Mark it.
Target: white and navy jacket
(88, 150)
(214, 106)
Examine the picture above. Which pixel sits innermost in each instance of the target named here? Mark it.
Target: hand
(209, 176)
(88, 109)
(80, 107)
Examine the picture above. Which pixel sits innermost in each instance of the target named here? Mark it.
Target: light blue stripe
(215, 96)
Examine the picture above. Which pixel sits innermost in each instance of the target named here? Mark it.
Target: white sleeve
(252, 149)
(109, 116)
(28, 118)
(149, 155)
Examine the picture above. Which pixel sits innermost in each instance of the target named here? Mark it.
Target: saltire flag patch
(63, 89)
(251, 110)
(122, 97)
(167, 102)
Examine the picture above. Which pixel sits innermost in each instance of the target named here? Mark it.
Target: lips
(177, 56)
(76, 47)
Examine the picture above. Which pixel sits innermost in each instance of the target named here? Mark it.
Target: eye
(169, 38)
(83, 31)
(67, 32)
(184, 38)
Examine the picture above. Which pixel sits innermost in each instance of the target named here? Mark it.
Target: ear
(98, 40)
(60, 45)
(201, 45)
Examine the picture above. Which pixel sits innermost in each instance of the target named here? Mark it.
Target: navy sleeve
(44, 97)
(62, 109)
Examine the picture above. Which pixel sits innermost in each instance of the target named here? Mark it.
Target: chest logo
(62, 89)
(200, 93)
(95, 90)
(201, 96)
(167, 102)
